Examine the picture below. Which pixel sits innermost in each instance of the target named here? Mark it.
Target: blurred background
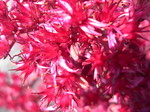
(6, 65)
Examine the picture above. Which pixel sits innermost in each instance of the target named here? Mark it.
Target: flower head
(89, 55)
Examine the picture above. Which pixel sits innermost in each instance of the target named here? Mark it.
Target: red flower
(5, 47)
(16, 97)
(85, 53)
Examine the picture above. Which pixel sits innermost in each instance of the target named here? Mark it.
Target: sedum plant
(76, 55)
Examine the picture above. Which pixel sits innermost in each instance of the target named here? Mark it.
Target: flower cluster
(91, 55)
(16, 97)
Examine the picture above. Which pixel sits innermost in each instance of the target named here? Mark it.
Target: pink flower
(16, 97)
(4, 45)
(85, 55)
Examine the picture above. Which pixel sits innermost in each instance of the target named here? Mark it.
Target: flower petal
(66, 6)
(90, 30)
